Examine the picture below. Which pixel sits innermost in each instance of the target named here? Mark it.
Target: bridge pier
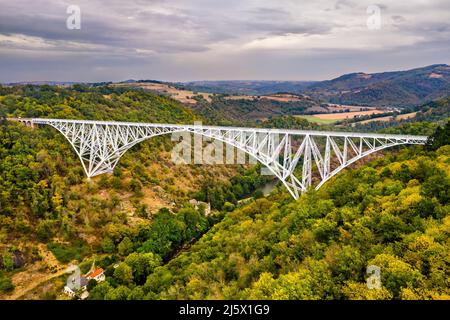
(26, 121)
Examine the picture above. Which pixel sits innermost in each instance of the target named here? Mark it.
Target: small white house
(78, 284)
(75, 284)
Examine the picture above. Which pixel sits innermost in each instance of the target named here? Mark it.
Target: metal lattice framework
(286, 153)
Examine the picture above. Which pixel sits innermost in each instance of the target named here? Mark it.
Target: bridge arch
(353, 160)
(93, 170)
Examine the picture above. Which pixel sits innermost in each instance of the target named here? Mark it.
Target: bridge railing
(228, 128)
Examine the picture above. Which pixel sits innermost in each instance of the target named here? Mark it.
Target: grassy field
(184, 96)
(389, 118)
(318, 120)
(327, 118)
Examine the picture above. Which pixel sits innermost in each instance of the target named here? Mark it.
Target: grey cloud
(340, 4)
(398, 18)
(54, 28)
(382, 6)
(276, 21)
(265, 12)
(283, 29)
(96, 31)
(202, 39)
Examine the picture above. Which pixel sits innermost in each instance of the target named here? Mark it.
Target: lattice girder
(101, 144)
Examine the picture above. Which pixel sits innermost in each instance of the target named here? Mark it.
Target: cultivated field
(332, 108)
(341, 107)
(282, 97)
(316, 119)
(184, 96)
(389, 118)
(333, 117)
(347, 115)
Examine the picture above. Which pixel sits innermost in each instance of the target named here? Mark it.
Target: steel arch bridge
(100, 144)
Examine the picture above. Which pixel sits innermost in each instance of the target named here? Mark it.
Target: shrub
(6, 285)
(68, 252)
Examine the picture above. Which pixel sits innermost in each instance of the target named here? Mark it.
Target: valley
(206, 159)
(146, 223)
(234, 101)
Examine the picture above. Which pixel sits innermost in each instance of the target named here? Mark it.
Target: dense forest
(427, 115)
(391, 212)
(247, 111)
(45, 198)
(396, 88)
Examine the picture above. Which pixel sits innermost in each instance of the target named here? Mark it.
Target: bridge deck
(245, 129)
(100, 144)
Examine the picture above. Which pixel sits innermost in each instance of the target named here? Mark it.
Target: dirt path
(20, 292)
(37, 274)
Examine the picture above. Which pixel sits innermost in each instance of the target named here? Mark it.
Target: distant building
(196, 204)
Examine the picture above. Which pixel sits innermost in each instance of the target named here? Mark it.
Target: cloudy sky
(182, 40)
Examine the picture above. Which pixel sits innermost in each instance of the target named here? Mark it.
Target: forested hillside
(248, 111)
(137, 223)
(392, 213)
(397, 88)
(46, 200)
(83, 102)
(425, 120)
(250, 87)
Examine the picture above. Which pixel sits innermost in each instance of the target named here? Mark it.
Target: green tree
(108, 245)
(119, 293)
(123, 273)
(136, 294)
(8, 263)
(396, 274)
(142, 264)
(440, 137)
(45, 230)
(125, 247)
(228, 206)
(92, 283)
(437, 186)
(99, 291)
(6, 284)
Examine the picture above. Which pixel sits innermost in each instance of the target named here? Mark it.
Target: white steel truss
(296, 157)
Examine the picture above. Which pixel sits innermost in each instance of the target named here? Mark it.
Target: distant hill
(40, 83)
(247, 87)
(431, 113)
(399, 88)
(410, 88)
(250, 108)
(438, 110)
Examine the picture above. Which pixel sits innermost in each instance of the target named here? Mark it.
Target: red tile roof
(94, 273)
